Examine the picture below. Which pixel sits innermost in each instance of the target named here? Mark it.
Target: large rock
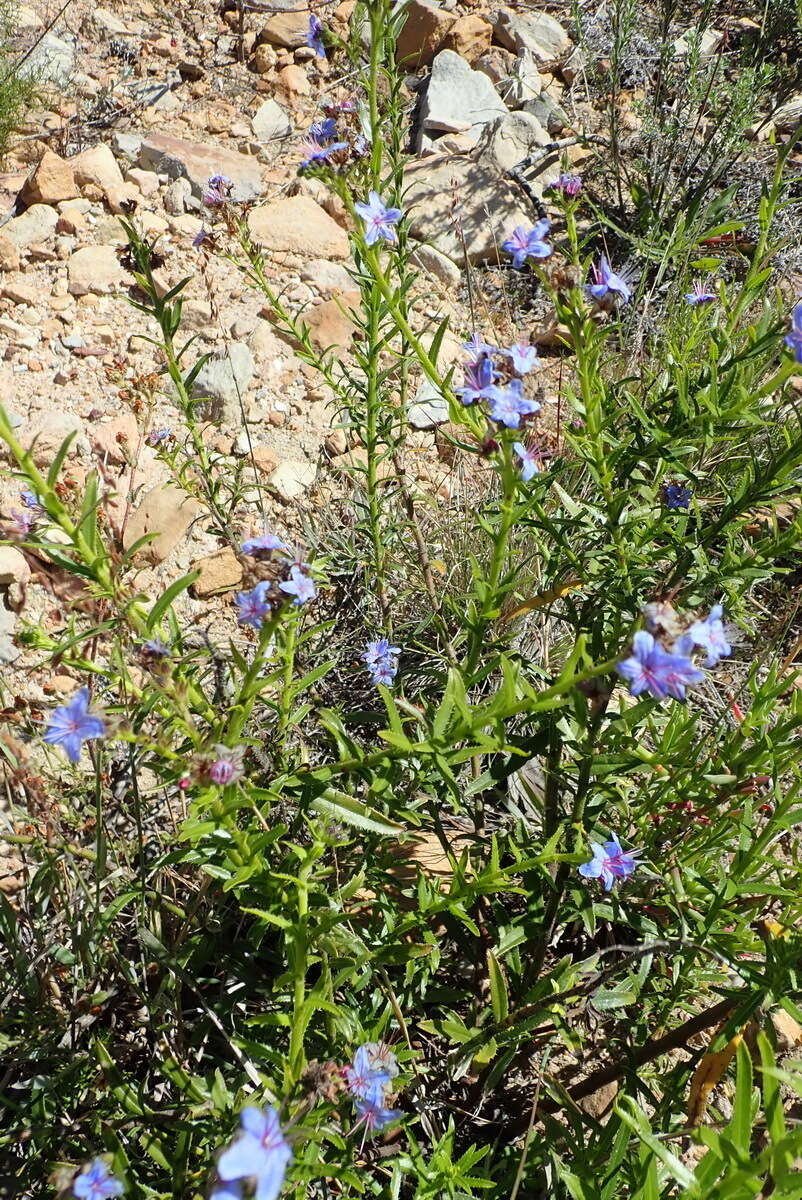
(509, 140)
(535, 31)
(271, 121)
(287, 29)
(179, 158)
(219, 572)
(45, 437)
(292, 478)
(424, 29)
(298, 224)
(523, 83)
(458, 100)
(51, 181)
(225, 381)
(788, 115)
(165, 511)
(330, 326)
(94, 269)
(97, 166)
(469, 37)
(52, 60)
(36, 225)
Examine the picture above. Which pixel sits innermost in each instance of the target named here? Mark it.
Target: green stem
(286, 697)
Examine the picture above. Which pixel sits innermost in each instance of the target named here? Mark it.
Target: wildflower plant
(374, 812)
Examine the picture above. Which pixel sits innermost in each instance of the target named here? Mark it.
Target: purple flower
(476, 346)
(217, 191)
(314, 36)
(319, 143)
(609, 862)
(157, 436)
(698, 295)
(200, 237)
(375, 1116)
(530, 460)
(226, 765)
(651, 668)
(367, 1077)
(73, 723)
(23, 522)
(379, 220)
(300, 585)
(569, 185)
(523, 245)
(381, 660)
(96, 1182)
(708, 635)
(479, 376)
(605, 281)
(509, 404)
(31, 500)
(254, 606)
(794, 338)
(263, 545)
(261, 1152)
(324, 131)
(155, 648)
(676, 495)
(524, 358)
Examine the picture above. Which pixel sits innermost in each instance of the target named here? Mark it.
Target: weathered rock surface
(287, 29)
(179, 157)
(165, 511)
(224, 381)
(458, 99)
(426, 25)
(94, 269)
(219, 572)
(271, 121)
(52, 180)
(536, 31)
(298, 224)
(292, 478)
(97, 166)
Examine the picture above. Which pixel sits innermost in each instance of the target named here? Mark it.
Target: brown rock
(123, 199)
(165, 511)
(46, 436)
(469, 36)
(294, 82)
(329, 323)
(13, 567)
(9, 254)
(19, 292)
(287, 29)
(116, 440)
(51, 181)
(196, 161)
(299, 225)
(219, 572)
(423, 32)
(265, 459)
(97, 167)
(264, 59)
(94, 269)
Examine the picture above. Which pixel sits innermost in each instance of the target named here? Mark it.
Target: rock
(271, 121)
(428, 409)
(97, 166)
(423, 31)
(709, 42)
(490, 207)
(287, 29)
(108, 23)
(127, 145)
(469, 36)
(9, 254)
(294, 82)
(51, 181)
(117, 441)
(498, 64)
(576, 64)
(94, 269)
(224, 381)
(123, 199)
(788, 115)
(537, 32)
(328, 277)
(265, 459)
(166, 511)
(509, 140)
(37, 224)
(19, 292)
(548, 113)
(265, 343)
(8, 651)
(176, 196)
(329, 325)
(298, 224)
(52, 60)
(46, 436)
(292, 478)
(179, 158)
(14, 568)
(264, 59)
(523, 83)
(459, 100)
(436, 264)
(146, 181)
(219, 572)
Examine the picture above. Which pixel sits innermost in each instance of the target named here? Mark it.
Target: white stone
(428, 409)
(438, 265)
(225, 381)
(292, 478)
(271, 121)
(535, 31)
(458, 99)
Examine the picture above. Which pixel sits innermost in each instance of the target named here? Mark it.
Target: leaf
(351, 811)
(543, 599)
(167, 597)
(499, 996)
(708, 1074)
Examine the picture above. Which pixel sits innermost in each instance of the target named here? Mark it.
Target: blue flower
(265, 544)
(217, 191)
(156, 648)
(676, 495)
(300, 585)
(375, 1116)
(476, 346)
(370, 1075)
(31, 500)
(698, 295)
(261, 1153)
(523, 245)
(569, 185)
(509, 404)
(794, 338)
(609, 862)
(157, 436)
(324, 131)
(319, 144)
(314, 36)
(200, 237)
(651, 668)
(605, 281)
(530, 460)
(379, 219)
(381, 660)
(479, 377)
(708, 635)
(254, 606)
(524, 358)
(96, 1183)
(72, 724)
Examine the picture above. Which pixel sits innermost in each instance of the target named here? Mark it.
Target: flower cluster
(668, 669)
(569, 185)
(496, 381)
(259, 1153)
(369, 1079)
(335, 140)
(609, 862)
(293, 579)
(381, 660)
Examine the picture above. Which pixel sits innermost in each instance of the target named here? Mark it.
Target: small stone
(9, 254)
(52, 180)
(19, 292)
(271, 121)
(176, 196)
(97, 167)
(292, 478)
(424, 28)
(166, 511)
(36, 225)
(329, 326)
(537, 32)
(298, 224)
(116, 441)
(224, 381)
(123, 199)
(548, 113)
(287, 29)
(8, 651)
(264, 59)
(709, 42)
(438, 265)
(14, 568)
(265, 459)
(327, 277)
(46, 436)
(146, 181)
(459, 100)
(336, 443)
(94, 269)
(428, 409)
(219, 572)
(469, 37)
(788, 115)
(294, 82)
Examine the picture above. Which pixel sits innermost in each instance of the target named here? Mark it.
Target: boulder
(180, 158)
(37, 224)
(423, 31)
(52, 60)
(534, 31)
(297, 224)
(469, 37)
(51, 181)
(458, 100)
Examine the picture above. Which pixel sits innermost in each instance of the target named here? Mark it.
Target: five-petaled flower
(605, 281)
(525, 244)
(254, 606)
(381, 660)
(72, 724)
(708, 635)
(479, 377)
(314, 36)
(96, 1182)
(300, 585)
(677, 495)
(261, 1152)
(217, 191)
(508, 404)
(699, 294)
(653, 669)
(794, 338)
(369, 1079)
(263, 545)
(379, 220)
(530, 460)
(609, 862)
(569, 185)
(524, 357)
